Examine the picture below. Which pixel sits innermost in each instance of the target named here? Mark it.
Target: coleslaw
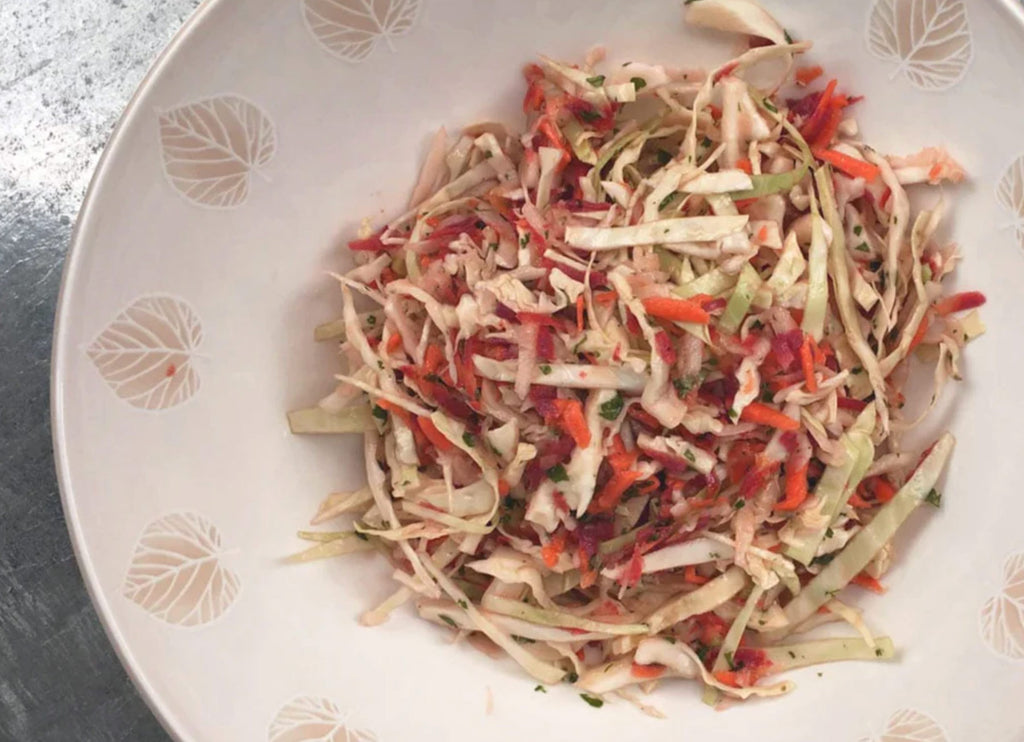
(631, 381)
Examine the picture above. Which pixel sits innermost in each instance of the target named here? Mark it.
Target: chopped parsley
(524, 240)
(362, 536)
(879, 652)
(557, 473)
(371, 320)
(688, 455)
(522, 639)
(823, 559)
(829, 533)
(592, 700)
(665, 202)
(380, 413)
(540, 689)
(787, 37)
(863, 247)
(545, 369)
(705, 142)
(933, 498)
(792, 654)
(687, 384)
(463, 604)
(597, 80)
(448, 620)
(469, 439)
(664, 156)
(638, 82)
(858, 229)
(739, 504)
(589, 115)
(572, 677)
(611, 409)
(728, 659)
(770, 106)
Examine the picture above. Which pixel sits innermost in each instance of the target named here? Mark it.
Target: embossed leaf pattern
(351, 29)
(176, 573)
(929, 41)
(1002, 616)
(1010, 193)
(314, 720)
(908, 725)
(212, 147)
(146, 353)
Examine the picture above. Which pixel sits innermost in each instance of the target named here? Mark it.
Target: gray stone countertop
(67, 69)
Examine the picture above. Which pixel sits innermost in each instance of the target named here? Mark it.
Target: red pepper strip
(647, 672)
(370, 244)
(850, 165)
(676, 310)
(762, 414)
(922, 330)
(434, 435)
(548, 129)
(869, 583)
(614, 489)
(796, 488)
(959, 302)
(745, 165)
(807, 75)
(807, 364)
(467, 375)
(554, 548)
(880, 489)
(813, 123)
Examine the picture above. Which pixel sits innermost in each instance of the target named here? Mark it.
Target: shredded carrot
(606, 297)
(830, 126)
(676, 310)
(807, 364)
(868, 582)
(554, 548)
(807, 75)
(614, 489)
(394, 343)
(579, 313)
(432, 360)
(850, 165)
(434, 435)
(647, 672)
(762, 234)
(394, 409)
(884, 491)
(745, 165)
(796, 488)
(959, 302)
(503, 488)
(814, 121)
(574, 422)
(745, 203)
(857, 501)
(762, 414)
(691, 576)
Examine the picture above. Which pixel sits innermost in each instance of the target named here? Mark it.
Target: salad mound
(631, 380)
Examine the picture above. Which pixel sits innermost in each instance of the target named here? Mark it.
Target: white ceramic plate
(184, 335)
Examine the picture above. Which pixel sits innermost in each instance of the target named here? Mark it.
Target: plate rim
(168, 719)
(172, 722)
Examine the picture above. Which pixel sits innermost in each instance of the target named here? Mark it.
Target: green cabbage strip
(839, 482)
(579, 140)
(817, 277)
(705, 598)
(844, 301)
(739, 303)
(767, 184)
(682, 229)
(561, 619)
(790, 267)
(862, 548)
(317, 421)
(713, 283)
(331, 545)
(545, 672)
(732, 640)
(794, 656)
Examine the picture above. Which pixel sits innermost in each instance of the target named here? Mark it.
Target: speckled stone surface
(67, 69)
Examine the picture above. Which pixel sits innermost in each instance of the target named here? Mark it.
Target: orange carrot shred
(691, 576)
(434, 435)
(807, 75)
(762, 414)
(807, 364)
(579, 313)
(796, 488)
(647, 672)
(676, 310)
(868, 582)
